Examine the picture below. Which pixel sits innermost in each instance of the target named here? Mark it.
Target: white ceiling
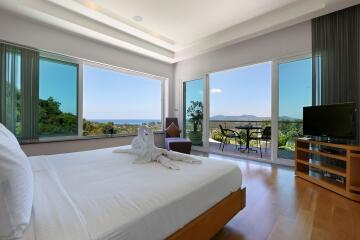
(183, 22)
(172, 30)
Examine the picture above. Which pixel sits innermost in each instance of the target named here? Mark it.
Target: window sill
(79, 138)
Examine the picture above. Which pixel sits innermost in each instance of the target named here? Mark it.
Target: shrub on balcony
(216, 135)
(283, 138)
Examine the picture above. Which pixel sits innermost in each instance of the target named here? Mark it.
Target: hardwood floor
(280, 206)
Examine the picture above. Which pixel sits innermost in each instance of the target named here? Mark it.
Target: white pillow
(4, 131)
(16, 187)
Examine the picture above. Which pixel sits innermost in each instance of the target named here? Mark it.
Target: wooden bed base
(210, 222)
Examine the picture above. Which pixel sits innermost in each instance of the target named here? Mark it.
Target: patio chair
(177, 143)
(227, 134)
(263, 135)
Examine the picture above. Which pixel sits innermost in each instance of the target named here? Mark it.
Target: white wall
(18, 29)
(291, 41)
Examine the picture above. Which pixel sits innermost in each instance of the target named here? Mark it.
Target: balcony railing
(282, 125)
(287, 130)
(214, 124)
(216, 135)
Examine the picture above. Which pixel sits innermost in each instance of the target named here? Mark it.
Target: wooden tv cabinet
(332, 166)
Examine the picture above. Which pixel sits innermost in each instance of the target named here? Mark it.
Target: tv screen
(336, 121)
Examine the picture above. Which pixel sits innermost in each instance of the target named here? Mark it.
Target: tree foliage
(54, 122)
(95, 128)
(92, 128)
(195, 113)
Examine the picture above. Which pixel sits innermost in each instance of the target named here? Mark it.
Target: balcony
(232, 148)
(287, 130)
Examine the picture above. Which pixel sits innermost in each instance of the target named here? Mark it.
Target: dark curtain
(19, 90)
(29, 94)
(9, 87)
(336, 58)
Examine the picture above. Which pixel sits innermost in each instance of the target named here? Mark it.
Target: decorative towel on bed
(144, 148)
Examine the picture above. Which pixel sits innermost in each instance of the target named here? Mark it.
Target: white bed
(101, 195)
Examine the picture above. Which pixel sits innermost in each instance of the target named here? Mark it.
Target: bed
(101, 195)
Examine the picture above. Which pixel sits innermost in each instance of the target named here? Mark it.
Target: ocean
(126, 121)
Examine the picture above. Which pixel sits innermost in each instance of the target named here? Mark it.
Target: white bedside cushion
(16, 187)
(4, 131)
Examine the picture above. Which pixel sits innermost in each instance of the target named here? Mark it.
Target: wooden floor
(280, 206)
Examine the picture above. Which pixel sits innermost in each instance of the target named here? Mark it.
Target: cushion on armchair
(172, 130)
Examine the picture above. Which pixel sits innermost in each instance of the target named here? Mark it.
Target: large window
(58, 88)
(45, 95)
(118, 103)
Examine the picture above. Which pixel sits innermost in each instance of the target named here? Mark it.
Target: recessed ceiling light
(138, 18)
(91, 5)
(155, 34)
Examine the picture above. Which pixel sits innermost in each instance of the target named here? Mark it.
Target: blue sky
(110, 94)
(59, 81)
(245, 90)
(194, 92)
(107, 94)
(295, 84)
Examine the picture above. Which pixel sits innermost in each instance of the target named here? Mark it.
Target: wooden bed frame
(213, 220)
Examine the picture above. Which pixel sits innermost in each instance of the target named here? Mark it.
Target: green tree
(94, 128)
(52, 121)
(108, 128)
(195, 114)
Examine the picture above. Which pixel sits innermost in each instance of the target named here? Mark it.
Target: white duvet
(101, 195)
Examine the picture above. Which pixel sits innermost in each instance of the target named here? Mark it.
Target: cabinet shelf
(323, 181)
(354, 189)
(329, 155)
(355, 155)
(325, 167)
(344, 163)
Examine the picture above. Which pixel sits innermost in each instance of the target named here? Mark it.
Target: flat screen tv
(333, 121)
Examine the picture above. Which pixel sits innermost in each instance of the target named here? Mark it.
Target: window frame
(80, 63)
(275, 105)
(66, 60)
(206, 104)
(164, 94)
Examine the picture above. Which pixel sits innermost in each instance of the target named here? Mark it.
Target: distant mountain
(290, 119)
(243, 117)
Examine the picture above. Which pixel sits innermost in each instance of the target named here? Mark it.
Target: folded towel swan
(144, 148)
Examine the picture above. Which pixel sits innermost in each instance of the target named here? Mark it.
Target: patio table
(248, 128)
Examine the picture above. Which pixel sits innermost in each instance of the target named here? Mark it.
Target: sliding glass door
(295, 92)
(243, 107)
(240, 104)
(193, 111)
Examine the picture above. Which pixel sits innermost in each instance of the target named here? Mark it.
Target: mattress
(102, 195)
